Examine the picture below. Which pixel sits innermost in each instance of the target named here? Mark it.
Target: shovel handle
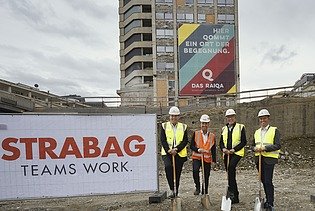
(259, 173)
(174, 173)
(259, 167)
(227, 166)
(203, 175)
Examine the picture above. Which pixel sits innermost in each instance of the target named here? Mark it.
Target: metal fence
(218, 100)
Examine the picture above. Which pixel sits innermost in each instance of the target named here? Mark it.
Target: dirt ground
(293, 188)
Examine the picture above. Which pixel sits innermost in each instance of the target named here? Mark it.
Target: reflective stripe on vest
(236, 137)
(200, 144)
(169, 132)
(268, 140)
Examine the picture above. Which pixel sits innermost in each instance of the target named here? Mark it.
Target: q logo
(207, 74)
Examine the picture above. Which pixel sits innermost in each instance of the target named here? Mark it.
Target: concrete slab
(157, 197)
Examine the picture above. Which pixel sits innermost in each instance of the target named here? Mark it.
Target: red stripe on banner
(218, 64)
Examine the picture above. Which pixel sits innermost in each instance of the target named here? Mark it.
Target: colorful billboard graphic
(206, 59)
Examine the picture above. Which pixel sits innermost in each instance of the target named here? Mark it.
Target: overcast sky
(72, 46)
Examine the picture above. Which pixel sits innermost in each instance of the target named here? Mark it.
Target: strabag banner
(206, 59)
(69, 155)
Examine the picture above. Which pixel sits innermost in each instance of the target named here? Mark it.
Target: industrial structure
(150, 44)
(19, 98)
(305, 86)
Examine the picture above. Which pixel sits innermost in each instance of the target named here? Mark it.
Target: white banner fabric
(71, 155)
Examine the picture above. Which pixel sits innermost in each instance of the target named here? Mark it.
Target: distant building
(305, 86)
(149, 57)
(18, 98)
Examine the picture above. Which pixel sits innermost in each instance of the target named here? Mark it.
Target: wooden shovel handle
(174, 173)
(203, 174)
(259, 173)
(227, 166)
(259, 167)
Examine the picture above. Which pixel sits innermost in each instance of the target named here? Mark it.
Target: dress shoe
(197, 191)
(235, 200)
(266, 205)
(172, 195)
(270, 208)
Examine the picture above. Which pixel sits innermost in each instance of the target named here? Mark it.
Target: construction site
(294, 175)
(104, 153)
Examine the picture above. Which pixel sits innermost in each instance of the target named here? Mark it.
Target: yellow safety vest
(268, 139)
(236, 137)
(169, 132)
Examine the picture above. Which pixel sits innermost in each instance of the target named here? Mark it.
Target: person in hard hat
(232, 143)
(174, 140)
(203, 144)
(267, 143)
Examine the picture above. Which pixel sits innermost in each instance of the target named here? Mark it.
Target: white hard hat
(263, 112)
(230, 112)
(204, 118)
(174, 111)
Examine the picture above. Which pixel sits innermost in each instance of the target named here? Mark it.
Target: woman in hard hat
(174, 140)
(203, 144)
(232, 143)
(267, 143)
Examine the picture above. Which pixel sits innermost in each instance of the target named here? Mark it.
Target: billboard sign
(70, 155)
(206, 59)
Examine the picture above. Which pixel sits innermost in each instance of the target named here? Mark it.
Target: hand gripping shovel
(226, 202)
(259, 201)
(176, 201)
(205, 199)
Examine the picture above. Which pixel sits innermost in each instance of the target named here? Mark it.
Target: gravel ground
(293, 188)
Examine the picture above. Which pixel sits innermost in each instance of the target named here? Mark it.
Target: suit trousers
(196, 167)
(168, 164)
(266, 178)
(234, 159)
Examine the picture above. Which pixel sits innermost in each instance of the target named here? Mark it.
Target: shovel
(226, 202)
(259, 201)
(205, 199)
(176, 201)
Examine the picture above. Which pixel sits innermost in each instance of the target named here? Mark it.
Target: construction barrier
(70, 155)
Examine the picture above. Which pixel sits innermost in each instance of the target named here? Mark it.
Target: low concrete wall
(294, 117)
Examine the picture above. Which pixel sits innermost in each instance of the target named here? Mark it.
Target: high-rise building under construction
(171, 50)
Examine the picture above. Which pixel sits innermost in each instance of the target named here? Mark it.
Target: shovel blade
(176, 204)
(258, 204)
(226, 204)
(205, 201)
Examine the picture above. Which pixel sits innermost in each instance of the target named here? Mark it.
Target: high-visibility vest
(236, 137)
(201, 144)
(268, 139)
(169, 132)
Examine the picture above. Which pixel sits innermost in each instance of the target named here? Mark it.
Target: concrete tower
(149, 55)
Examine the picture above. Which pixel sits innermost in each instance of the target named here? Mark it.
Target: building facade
(305, 86)
(149, 58)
